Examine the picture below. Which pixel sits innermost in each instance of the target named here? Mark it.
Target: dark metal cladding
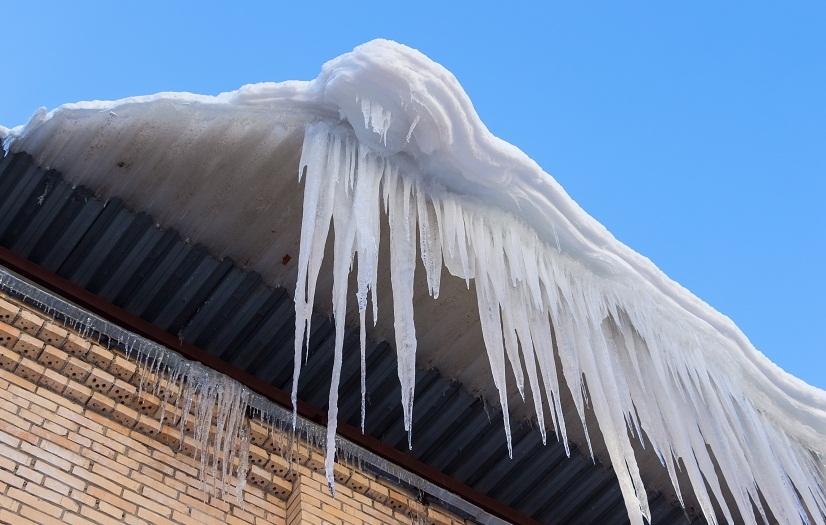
(123, 257)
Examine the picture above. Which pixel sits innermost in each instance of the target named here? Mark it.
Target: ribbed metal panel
(125, 258)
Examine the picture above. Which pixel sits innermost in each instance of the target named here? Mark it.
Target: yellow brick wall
(79, 445)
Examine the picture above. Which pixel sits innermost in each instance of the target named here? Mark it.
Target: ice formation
(391, 136)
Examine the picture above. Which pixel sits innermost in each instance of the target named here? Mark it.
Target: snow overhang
(539, 288)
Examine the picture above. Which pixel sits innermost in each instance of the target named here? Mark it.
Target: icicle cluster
(200, 395)
(641, 368)
(210, 414)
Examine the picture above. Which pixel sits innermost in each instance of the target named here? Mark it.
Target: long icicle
(628, 358)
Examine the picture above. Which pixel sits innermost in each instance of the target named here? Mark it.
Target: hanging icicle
(636, 365)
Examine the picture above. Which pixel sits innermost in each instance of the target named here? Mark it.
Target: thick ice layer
(385, 126)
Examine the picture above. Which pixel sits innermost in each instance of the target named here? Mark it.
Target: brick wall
(81, 443)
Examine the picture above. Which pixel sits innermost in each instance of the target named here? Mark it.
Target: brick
(11, 479)
(259, 477)
(185, 519)
(8, 335)
(100, 380)
(80, 439)
(28, 497)
(96, 479)
(26, 398)
(259, 433)
(163, 499)
(156, 485)
(76, 345)
(111, 499)
(80, 419)
(13, 404)
(8, 311)
(28, 322)
(438, 518)
(200, 505)
(58, 399)
(64, 448)
(74, 519)
(358, 482)
(166, 389)
(152, 517)
(98, 516)
(41, 453)
(9, 439)
(259, 502)
(53, 380)
(138, 500)
(258, 456)
(84, 498)
(176, 463)
(77, 392)
(124, 481)
(148, 403)
(123, 392)
(28, 346)
(150, 462)
(125, 415)
(53, 334)
(169, 435)
(9, 505)
(148, 426)
(341, 474)
(15, 455)
(99, 459)
(103, 450)
(29, 370)
(279, 466)
(119, 434)
(60, 488)
(77, 370)
(99, 357)
(397, 500)
(147, 471)
(51, 496)
(53, 357)
(379, 511)
(281, 488)
(207, 519)
(243, 515)
(55, 473)
(56, 439)
(65, 424)
(111, 510)
(8, 359)
(15, 379)
(122, 368)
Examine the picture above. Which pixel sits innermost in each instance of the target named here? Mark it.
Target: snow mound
(384, 126)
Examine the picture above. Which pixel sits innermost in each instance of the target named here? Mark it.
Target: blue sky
(696, 132)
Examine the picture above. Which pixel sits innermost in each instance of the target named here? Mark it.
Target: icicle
(366, 220)
(343, 246)
(431, 249)
(243, 464)
(402, 268)
(318, 203)
(629, 359)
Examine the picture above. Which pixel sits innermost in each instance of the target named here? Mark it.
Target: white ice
(387, 127)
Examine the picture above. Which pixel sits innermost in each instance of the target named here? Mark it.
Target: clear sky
(695, 131)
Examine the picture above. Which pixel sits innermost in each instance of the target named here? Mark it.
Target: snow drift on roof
(384, 126)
